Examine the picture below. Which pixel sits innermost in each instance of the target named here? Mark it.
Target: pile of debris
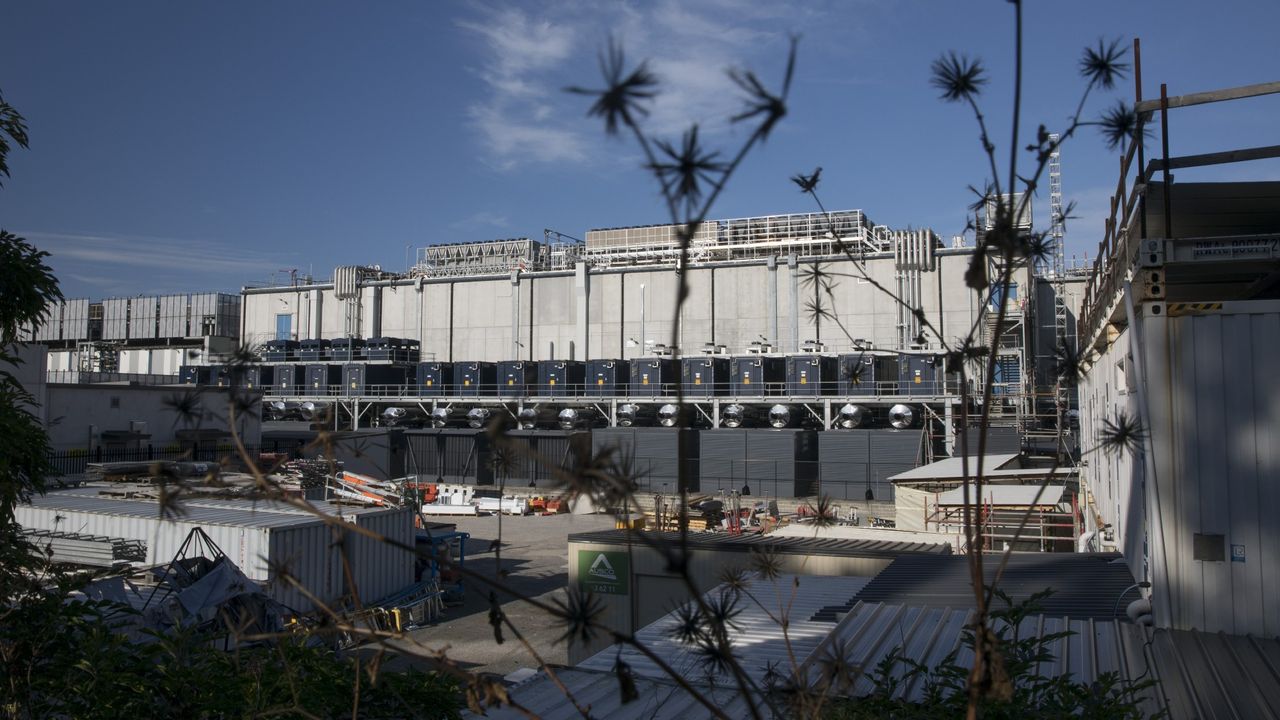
(309, 473)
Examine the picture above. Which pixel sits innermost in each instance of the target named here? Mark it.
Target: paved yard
(535, 558)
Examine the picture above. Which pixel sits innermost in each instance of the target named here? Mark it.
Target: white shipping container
(262, 539)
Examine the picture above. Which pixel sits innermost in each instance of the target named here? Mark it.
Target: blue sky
(207, 145)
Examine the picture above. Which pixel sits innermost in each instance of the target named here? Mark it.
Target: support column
(793, 263)
(582, 286)
(772, 264)
(515, 314)
(316, 330)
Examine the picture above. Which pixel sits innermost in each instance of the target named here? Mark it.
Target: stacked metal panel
(450, 455)
(174, 316)
(722, 460)
(75, 319)
(545, 451)
(142, 317)
(51, 328)
(855, 461)
(115, 319)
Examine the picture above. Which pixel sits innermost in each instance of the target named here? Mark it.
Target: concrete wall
(78, 414)
(607, 313)
(1196, 516)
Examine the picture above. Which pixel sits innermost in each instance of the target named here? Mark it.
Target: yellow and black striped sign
(1179, 309)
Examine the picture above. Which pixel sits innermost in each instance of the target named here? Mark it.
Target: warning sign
(603, 573)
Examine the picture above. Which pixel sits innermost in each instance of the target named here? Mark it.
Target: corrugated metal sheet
(784, 545)
(759, 640)
(1084, 584)
(896, 446)
(75, 319)
(543, 698)
(142, 317)
(115, 313)
(51, 325)
(723, 444)
(1211, 393)
(173, 315)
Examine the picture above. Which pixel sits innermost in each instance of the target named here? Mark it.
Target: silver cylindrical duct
(732, 416)
(668, 415)
(282, 409)
(853, 416)
(310, 410)
(779, 416)
(440, 416)
(902, 416)
(628, 415)
(527, 419)
(477, 417)
(570, 418)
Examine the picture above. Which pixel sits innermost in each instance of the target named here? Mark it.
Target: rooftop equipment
(475, 379)
(606, 378)
(779, 416)
(313, 350)
(902, 417)
(705, 376)
(853, 416)
(758, 375)
(440, 416)
(312, 410)
(323, 379)
(629, 415)
(560, 378)
(866, 373)
(478, 417)
(652, 377)
(516, 377)
(527, 419)
(811, 375)
(289, 379)
(435, 378)
(258, 377)
(668, 415)
(347, 349)
(280, 350)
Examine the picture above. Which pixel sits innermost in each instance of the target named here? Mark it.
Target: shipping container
(377, 380)
(517, 377)
(868, 373)
(653, 377)
(812, 375)
(323, 379)
(561, 378)
(705, 376)
(289, 379)
(435, 378)
(346, 349)
(921, 374)
(277, 351)
(607, 378)
(261, 538)
(475, 379)
(314, 350)
(758, 375)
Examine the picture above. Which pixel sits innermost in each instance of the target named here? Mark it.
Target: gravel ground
(535, 558)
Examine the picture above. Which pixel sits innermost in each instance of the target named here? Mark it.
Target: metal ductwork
(902, 416)
(527, 419)
(732, 416)
(779, 416)
(571, 418)
(628, 415)
(313, 410)
(440, 416)
(668, 415)
(853, 416)
(398, 415)
(477, 417)
(283, 409)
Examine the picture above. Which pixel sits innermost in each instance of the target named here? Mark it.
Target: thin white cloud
(523, 115)
(150, 253)
(483, 218)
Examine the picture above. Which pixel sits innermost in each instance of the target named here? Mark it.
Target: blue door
(284, 327)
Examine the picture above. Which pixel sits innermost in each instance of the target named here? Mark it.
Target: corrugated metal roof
(1005, 495)
(1199, 675)
(1084, 584)
(200, 511)
(758, 637)
(599, 691)
(93, 490)
(996, 466)
(784, 545)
